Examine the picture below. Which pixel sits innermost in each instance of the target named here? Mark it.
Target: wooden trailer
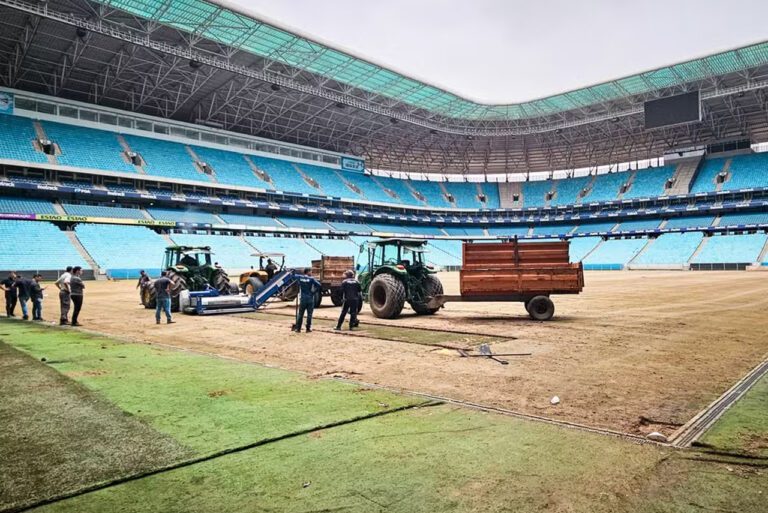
(329, 271)
(527, 272)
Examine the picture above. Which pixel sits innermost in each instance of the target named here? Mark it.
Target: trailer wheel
(541, 308)
(318, 299)
(386, 295)
(337, 297)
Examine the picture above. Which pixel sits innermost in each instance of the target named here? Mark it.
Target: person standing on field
(11, 297)
(36, 294)
(353, 297)
(22, 286)
(76, 287)
(64, 300)
(309, 287)
(163, 297)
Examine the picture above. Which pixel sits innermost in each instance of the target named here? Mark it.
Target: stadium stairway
(764, 253)
(685, 173)
(349, 185)
(168, 239)
(40, 133)
(727, 170)
(698, 250)
(643, 250)
(628, 183)
(97, 273)
(260, 173)
(127, 149)
(311, 181)
(197, 160)
(59, 208)
(593, 249)
(507, 193)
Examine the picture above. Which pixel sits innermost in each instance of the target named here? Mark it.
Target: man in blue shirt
(309, 287)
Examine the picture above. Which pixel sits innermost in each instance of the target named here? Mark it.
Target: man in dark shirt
(22, 286)
(76, 287)
(309, 287)
(36, 294)
(163, 297)
(353, 297)
(143, 279)
(11, 297)
(270, 269)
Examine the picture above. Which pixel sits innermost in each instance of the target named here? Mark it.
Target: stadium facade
(141, 123)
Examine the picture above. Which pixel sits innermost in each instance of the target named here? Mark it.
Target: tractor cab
(187, 257)
(404, 255)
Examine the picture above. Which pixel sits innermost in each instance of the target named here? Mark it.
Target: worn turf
(57, 436)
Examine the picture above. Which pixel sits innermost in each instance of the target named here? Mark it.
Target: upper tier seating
(11, 205)
(615, 252)
(748, 171)
(370, 189)
(608, 186)
(432, 192)
(249, 220)
(491, 191)
(183, 216)
(87, 147)
(230, 167)
(731, 249)
(568, 191)
(649, 182)
(535, 192)
(690, 222)
(466, 230)
(102, 211)
(165, 158)
(349, 227)
(400, 188)
(297, 252)
(329, 181)
(303, 222)
(229, 251)
(743, 218)
(284, 175)
(425, 230)
(552, 229)
(37, 246)
(519, 230)
(586, 227)
(17, 136)
(638, 225)
(705, 178)
(464, 194)
(580, 246)
(670, 248)
(122, 247)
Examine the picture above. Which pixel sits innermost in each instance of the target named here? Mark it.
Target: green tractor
(189, 268)
(397, 272)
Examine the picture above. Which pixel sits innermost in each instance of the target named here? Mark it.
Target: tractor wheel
(178, 283)
(290, 293)
(252, 285)
(337, 297)
(220, 281)
(148, 295)
(318, 299)
(541, 308)
(432, 287)
(386, 295)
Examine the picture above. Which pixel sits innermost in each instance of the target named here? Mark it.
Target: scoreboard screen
(674, 110)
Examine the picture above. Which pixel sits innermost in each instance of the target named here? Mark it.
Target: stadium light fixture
(394, 121)
(275, 87)
(341, 105)
(195, 64)
(81, 32)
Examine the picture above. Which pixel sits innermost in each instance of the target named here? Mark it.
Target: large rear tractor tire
(541, 308)
(252, 285)
(220, 281)
(386, 295)
(148, 295)
(178, 283)
(432, 287)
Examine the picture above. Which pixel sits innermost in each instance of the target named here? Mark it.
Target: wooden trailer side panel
(329, 270)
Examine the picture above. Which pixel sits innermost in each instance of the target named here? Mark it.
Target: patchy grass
(205, 403)
(744, 427)
(58, 436)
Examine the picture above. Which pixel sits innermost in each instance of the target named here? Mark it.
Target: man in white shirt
(64, 299)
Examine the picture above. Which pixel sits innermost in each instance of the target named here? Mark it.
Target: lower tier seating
(36, 246)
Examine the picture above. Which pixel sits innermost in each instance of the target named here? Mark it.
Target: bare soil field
(636, 352)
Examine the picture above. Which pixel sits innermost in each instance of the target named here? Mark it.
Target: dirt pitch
(636, 352)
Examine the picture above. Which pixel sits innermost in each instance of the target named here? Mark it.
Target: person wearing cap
(352, 293)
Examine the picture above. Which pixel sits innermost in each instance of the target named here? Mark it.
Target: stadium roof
(202, 62)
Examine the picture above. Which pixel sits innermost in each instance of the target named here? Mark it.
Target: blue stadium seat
(670, 248)
(334, 247)
(615, 253)
(649, 183)
(400, 188)
(432, 192)
(638, 225)
(371, 190)
(329, 181)
(252, 220)
(165, 158)
(17, 136)
(284, 175)
(690, 222)
(748, 171)
(349, 227)
(232, 253)
(607, 187)
(535, 192)
(425, 230)
(580, 246)
(37, 246)
(87, 147)
(230, 167)
(102, 211)
(444, 253)
(508, 230)
(465, 194)
(731, 249)
(297, 252)
(568, 190)
(606, 226)
(705, 178)
(552, 229)
(12, 205)
(491, 191)
(122, 247)
(743, 218)
(183, 216)
(302, 222)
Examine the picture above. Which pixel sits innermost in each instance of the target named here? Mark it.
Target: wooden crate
(329, 270)
(519, 268)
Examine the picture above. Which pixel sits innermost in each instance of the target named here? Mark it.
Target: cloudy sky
(501, 51)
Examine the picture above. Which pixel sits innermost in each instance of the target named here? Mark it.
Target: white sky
(499, 51)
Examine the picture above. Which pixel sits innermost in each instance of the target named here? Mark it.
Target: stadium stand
(334, 247)
(142, 247)
(535, 192)
(670, 248)
(351, 227)
(464, 194)
(230, 167)
(568, 191)
(425, 230)
(649, 182)
(284, 175)
(37, 246)
(297, 252)
(432, 193)
(508, 230)
(17, 135)
(182, 216)
(638, 225)
(102, 211)
(370, 189)
(87, 147)
(581, 246)
(444, 253)
(229, 251)
(731, 249)
(608, 186)
(747, 171)
(705, 179)
(400, 188)
(595, 227)
(491, 191)
(743, 218)
(252, 220)
(165, 158)
(552, 229)
(690, 222)
(11, 205)
(329, 181)
(613, 254)
(304, 222)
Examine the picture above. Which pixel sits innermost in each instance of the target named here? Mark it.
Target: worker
(11, 297)
(163, 297)
(143, 279)
(64, 298)
(270, 269)
(23, 286)
(76, 287)
(352, 294)
(36, 294)
(309, 287)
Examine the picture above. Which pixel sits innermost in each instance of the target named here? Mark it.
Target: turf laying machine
(525, 272)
